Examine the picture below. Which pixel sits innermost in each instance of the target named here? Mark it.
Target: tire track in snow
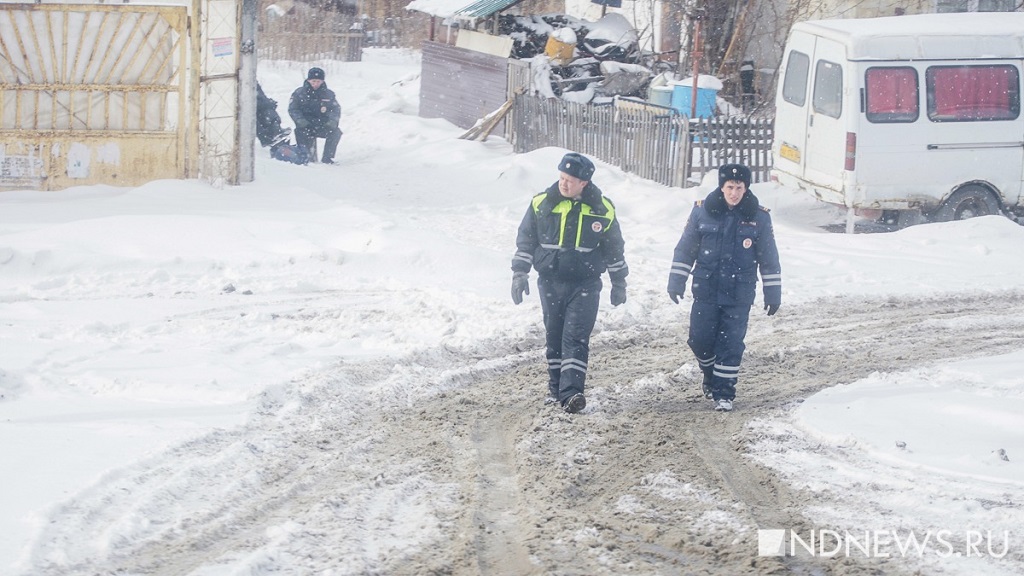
(350, 470)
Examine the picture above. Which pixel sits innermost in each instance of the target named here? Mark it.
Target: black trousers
(307, 137)
(570, 311)
(716, 338)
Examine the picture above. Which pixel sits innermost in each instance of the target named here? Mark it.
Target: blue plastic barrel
(706, 100)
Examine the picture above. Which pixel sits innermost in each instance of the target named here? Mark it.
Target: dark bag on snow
(290, 153)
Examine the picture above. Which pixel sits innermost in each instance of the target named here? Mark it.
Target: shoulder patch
(765, 208)
(698, 203)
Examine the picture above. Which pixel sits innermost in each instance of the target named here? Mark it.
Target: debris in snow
(606, 52)
(1002, 455)
(565, 36)
(901, 445)
(228, 289)
(612, 37)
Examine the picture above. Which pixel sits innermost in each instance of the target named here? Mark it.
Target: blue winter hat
(728, 172)
(577, 165)
(315, 74)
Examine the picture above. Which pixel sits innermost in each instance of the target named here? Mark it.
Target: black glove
(772, 308)
(520, 284)
(618, 292)
(676, 295)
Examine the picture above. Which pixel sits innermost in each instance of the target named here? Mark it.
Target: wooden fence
(718, 141)
(642, 141)
(328, 36)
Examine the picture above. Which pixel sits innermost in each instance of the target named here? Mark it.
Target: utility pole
(246, 87)
(697, 15)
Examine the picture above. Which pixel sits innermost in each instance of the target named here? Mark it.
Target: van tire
(969, 201)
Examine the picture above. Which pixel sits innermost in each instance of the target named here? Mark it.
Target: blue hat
(728, 172)
(315, 74)
(577, 165)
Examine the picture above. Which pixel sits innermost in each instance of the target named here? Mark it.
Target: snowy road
(345, 473)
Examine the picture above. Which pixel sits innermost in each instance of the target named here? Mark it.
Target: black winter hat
(728, 172)
(315, 74)
(577, 165)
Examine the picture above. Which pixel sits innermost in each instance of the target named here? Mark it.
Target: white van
(904, 116)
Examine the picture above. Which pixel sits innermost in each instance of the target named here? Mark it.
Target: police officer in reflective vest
(727, 240)
(570, 235)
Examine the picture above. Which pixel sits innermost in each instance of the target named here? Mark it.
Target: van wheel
(968, 202)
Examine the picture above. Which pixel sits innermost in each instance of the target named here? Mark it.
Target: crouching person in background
(316, 113)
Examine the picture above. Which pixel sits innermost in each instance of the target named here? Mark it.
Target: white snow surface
(134, 320)
(703, 81)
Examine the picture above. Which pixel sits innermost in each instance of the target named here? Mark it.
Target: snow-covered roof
(485, 8)
(926, 36)
(439, 8)
(461, 9)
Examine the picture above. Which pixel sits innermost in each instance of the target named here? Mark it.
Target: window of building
(975, 5)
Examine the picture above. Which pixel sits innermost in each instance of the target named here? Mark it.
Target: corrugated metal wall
(461, 85)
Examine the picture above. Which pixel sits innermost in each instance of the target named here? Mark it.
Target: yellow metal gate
(92, 94)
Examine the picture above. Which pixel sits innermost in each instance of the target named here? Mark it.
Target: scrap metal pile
(584, 60)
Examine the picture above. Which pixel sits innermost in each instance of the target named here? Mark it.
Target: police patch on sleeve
(747, 242)
(596, 226)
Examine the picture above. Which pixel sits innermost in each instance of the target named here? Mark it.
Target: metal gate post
(247, 93)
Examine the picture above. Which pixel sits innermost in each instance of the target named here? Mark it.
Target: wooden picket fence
(651, 141)
(718, 141)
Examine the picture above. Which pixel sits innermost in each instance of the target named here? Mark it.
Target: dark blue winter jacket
(571, 240)
(723, 249)
(314, 109)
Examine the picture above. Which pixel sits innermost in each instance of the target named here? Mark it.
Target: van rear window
(828, 88)
(972, 93)
(891, 94)
(794, 86)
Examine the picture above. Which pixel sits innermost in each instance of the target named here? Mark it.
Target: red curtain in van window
(891, 94)
(973, 92)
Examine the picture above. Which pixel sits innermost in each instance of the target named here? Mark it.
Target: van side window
(891, 94)
(828, 88)
(972, 93)
(794, 86)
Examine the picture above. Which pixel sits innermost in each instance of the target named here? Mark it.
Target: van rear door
(793, 104)
(826, 120)
(810, 128)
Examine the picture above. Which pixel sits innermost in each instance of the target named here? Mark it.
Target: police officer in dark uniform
(316, 113)
(727, 240)
(268, 121)
(570, 235)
